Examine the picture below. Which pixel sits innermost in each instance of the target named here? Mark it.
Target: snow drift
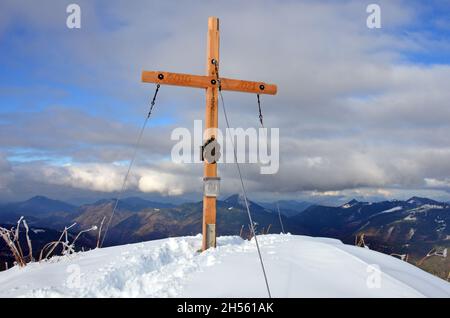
(297, 266)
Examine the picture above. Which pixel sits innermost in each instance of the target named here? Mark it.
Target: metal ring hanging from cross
(211, 83)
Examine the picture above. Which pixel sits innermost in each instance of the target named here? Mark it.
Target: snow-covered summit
(237, 200)
(297, 266)
(423, 201)
(350, 204)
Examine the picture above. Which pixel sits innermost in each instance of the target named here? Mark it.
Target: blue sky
(432, 21)
(358, 103)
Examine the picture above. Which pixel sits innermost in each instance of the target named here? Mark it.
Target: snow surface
(297, 266)
(397, 208)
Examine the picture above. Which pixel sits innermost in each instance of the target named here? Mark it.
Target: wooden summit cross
(209, 82)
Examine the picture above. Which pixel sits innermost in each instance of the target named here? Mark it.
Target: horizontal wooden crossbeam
(199, 81)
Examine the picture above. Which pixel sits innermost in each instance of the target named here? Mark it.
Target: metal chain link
(260, 112)
(220, 89)
(152, 104)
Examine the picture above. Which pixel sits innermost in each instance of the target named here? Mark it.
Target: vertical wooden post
(211, 124)
(209, 83)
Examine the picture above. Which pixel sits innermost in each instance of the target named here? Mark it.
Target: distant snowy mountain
(288, 208)
(134, 204)
(413, 227)
(297, 266)
(38, 206)
(421, 201)
(238, 201)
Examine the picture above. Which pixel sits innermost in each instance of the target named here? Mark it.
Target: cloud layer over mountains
(360, 111)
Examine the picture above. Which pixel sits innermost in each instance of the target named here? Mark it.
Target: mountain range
(413, 227)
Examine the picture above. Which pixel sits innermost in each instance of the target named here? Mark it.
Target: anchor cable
(244, 192)
(136, 148)
(279, 216)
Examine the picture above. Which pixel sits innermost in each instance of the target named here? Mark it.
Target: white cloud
(163, 183)
(109, 178)
(6, 174)
(94, 177)
(438, 183)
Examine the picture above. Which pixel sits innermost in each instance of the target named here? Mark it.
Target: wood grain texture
(248, 86)
(199, 81)
(177, 79)
(211, 124)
